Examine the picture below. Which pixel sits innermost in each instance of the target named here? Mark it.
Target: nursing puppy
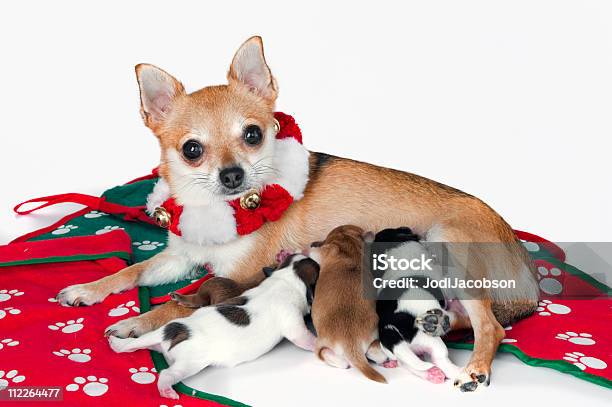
(411, 320)
(220, 142)
(236, 331)
(344, 319)
(215, 291)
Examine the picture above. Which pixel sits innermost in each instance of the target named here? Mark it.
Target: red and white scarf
(221, 222)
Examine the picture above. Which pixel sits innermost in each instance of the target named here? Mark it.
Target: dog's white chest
(212, 224)
(221, 257)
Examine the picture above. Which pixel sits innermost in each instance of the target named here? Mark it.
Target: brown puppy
(214, 291)
(345, 321)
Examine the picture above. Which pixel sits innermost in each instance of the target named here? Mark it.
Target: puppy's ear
(158, 91)
(307, 270)
(368, 237)
(249, 69)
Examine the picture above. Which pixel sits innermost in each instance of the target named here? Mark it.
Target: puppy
(344, 319)
(236, 331)
(221, 142)
(408, 326)
(213, 291)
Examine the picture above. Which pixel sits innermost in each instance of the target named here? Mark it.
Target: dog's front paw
(471, 379)
(127, 328)
(434, 322)
(80, 295)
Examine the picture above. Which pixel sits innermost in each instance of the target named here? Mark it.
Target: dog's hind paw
(470, 380)
(435, 375)
(435, 322)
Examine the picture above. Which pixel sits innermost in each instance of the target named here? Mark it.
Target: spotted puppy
(411, 320)
(238, 330)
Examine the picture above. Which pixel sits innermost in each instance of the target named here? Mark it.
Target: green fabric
(149, 240)
(58, 259)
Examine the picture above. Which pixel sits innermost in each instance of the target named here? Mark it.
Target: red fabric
(548, 245)
(572, 326)
(274, 201)
(92, 202)
(288, 127)
(115, 241)
(175, 212)
(31, 348)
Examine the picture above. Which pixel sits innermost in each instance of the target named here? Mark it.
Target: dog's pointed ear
(158, 91)
(249, 69)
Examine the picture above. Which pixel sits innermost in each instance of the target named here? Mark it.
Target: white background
(509, 101)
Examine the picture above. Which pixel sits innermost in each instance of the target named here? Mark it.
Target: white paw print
(123, 309)
(92, 386)
(582, 361)
(548, 283)
(508, 340)
(6, 295)
(8, 342)
(76, 354)
(144, 375)
(9, 311)
(12, 376)
(107, 229)
(69, 327)
(52, 299)
(63, 229)
(547, 308)
(95, 214)
(531, 247)
(577, 338)
(148, 245)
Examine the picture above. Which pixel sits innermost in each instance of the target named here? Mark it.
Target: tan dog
(345, 321)
(219, 142)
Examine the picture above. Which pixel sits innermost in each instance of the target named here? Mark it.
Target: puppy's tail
(357, 359)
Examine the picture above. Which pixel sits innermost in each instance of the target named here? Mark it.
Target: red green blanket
(44, 344)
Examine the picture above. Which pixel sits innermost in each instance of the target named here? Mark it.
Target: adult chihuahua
(221, 142)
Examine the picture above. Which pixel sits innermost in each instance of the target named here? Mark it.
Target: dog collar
(255, 208)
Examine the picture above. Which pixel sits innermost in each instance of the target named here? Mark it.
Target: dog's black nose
(232, 177)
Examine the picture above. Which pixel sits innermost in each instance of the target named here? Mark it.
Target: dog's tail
(357, 358)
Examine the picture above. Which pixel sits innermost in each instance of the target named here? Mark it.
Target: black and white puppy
(410, 325)
(236, 331)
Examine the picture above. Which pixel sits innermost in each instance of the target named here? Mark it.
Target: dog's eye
(252, 135)
(192, 150)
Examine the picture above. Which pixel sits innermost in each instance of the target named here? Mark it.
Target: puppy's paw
(80, 295)
(390, 364)
(435, 375)
(435, 322)
(169, 393)
(472, 379)
(118, 344)
(127, 328)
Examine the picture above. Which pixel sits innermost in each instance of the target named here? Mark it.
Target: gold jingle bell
(162, 217)
(250, 201)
